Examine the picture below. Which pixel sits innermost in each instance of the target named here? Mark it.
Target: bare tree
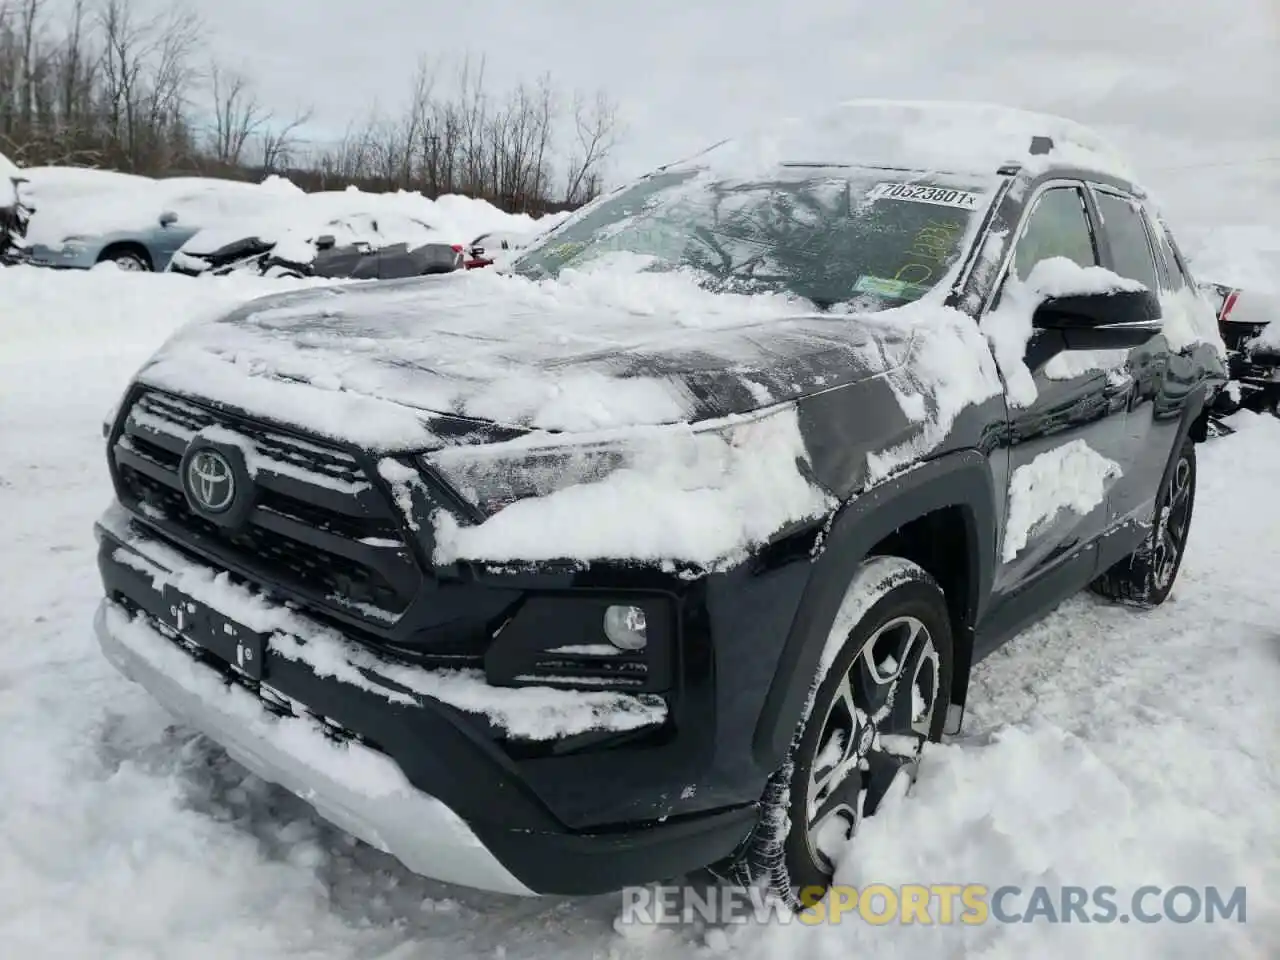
(596, 131)
(237, 115)
(277, 143)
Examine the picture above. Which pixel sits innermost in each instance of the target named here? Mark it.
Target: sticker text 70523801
(923, 193)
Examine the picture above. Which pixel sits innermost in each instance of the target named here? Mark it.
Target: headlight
(492, 477)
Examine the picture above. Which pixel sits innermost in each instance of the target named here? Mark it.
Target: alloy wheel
(1171, 531)
(872, 734)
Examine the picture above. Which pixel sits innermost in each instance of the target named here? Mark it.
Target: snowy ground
(1102, 747)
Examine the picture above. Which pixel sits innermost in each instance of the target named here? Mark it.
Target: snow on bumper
(358, 789)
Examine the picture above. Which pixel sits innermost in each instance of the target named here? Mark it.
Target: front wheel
(881, 695)
(1145, 577)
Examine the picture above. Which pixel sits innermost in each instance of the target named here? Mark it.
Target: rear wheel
(883, 696)
(1145, 577)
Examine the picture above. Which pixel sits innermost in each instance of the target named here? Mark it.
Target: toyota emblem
(211, 483)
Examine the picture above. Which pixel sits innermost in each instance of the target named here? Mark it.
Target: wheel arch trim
(958, 480)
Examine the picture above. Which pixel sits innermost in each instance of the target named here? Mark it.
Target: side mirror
(168, 218)
(326, 242)
(1102, 321)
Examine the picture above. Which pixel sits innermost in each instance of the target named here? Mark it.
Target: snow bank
(81, 202)
(1247, 257)
(77, 202)
(399, 217)
(47, 314)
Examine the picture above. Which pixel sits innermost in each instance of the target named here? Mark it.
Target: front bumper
(353, 787)
(411, 774)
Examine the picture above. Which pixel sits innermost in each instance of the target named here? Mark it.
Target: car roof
(924, 135)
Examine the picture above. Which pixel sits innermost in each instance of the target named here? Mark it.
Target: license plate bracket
(242, 648)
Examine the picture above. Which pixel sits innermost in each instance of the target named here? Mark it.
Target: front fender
(962, 479)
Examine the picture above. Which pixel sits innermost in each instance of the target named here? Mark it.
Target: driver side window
(1057, 227)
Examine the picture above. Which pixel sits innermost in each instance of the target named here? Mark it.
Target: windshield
(872, 239)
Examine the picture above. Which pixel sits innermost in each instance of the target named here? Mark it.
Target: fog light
(625, 627)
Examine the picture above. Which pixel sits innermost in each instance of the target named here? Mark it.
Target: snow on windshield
(869, 239)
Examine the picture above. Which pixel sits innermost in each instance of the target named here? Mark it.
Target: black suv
(671, 550)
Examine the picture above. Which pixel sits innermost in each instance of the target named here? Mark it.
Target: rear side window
(1057, 227)
(1127, 234)
(1173, 269)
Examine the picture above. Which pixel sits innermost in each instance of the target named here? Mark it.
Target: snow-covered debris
(1269, 338)
(955, 136)
(1071, 477)
(701, 496)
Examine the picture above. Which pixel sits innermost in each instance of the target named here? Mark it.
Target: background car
(86, 217)
(335, 234)
(1245, 321)
(14, 214)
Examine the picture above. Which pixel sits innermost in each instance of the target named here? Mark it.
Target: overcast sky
(1177, 82)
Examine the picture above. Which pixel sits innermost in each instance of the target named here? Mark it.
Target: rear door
(1134, 247)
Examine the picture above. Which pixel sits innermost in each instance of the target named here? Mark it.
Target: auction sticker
(923, 193)
(893, 289)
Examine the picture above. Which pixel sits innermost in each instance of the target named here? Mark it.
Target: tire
(894, 607)
(1146, 577)
(133, 261)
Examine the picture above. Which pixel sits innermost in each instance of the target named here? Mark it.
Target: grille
(319, 531)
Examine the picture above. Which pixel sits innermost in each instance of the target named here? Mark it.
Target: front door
(1065, 445)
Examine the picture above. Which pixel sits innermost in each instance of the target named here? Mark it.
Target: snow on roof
(956, 136)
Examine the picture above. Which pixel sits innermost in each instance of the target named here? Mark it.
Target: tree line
(94, 83)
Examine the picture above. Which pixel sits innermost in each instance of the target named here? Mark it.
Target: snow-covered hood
(588, 353)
